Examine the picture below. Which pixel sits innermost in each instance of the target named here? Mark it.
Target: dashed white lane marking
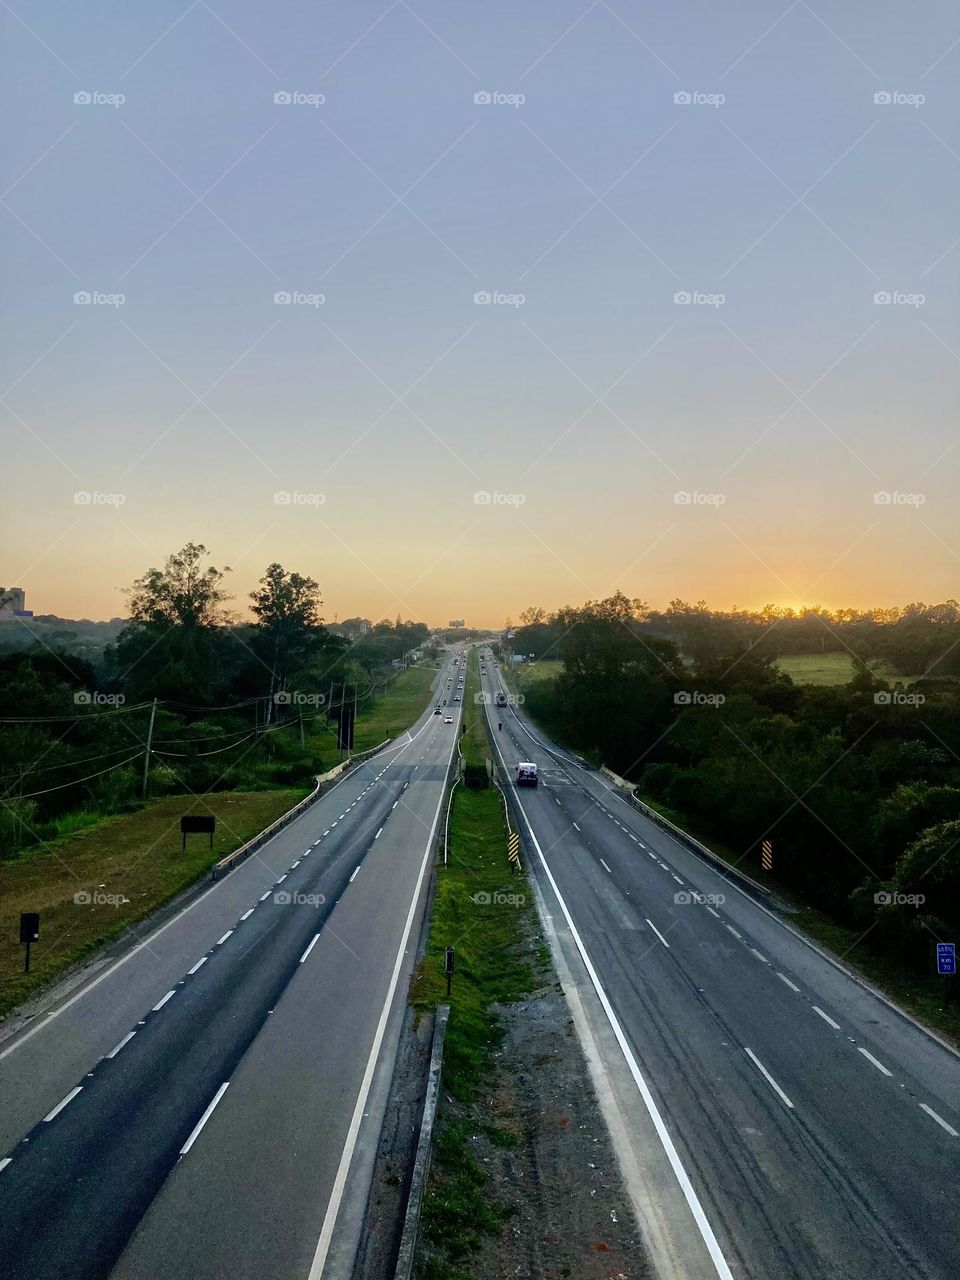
(377, 836)
(265, 896)
(734, 932)
(714, 913)
(4, 1162)
(677, 878)
(395, 803)
(221, 941)
(282, 878)
(792, 985)
(759, 956)
(203, 1119)
(52, 1115)
(826, 1017)
(870, 1058)
(556, 801)
(768, 1077)
(930, 1112)
(294, 865)
(246, 915)
(326, 833)
(576, 828)
(658, 933)
(604, 864)
(313, 943)
(355, 874)
(202, 961)
(160, 1003)
(126, 1040)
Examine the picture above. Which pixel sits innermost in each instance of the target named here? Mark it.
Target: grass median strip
(485, 912)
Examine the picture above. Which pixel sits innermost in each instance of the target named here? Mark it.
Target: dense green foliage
(858, 785)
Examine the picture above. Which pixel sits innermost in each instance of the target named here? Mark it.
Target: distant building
(456, 623)
(13, 603)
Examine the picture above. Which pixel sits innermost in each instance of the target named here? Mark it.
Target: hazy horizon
(750, 301)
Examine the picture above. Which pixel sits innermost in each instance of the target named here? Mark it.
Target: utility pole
(146, 758)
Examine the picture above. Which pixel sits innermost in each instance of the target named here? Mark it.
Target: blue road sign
(946, 957)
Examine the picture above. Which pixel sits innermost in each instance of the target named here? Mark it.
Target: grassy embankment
(485, 912)
(137, 856)
(832, 669)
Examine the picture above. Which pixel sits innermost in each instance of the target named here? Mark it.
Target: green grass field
(137, 855)
(133, 856)
(830, 668)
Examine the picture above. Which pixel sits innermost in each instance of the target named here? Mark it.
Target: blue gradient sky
(398, 399)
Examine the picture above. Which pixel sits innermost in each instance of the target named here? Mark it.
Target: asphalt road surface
(206, 1106)
(807, 1129)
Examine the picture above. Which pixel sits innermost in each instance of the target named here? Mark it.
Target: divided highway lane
(86, 1165)
(818, 1127)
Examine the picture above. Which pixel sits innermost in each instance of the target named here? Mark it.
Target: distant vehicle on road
(448, 719)
(436, 711)
(527, 775)
(501, 698)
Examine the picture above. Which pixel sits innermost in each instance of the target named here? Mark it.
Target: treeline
(237, 702)
(857, 786)
(912, 640)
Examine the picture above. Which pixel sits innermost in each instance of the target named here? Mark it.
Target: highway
(208, 1105)
(805, 1129)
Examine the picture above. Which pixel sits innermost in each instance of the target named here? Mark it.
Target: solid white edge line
(686, 1186)
(200, 962)
(346, 1157)
(204, 1118)
(826, 1017)
(313, 943)
(163, 1000)
(933, 1115)
(768, 1077)
(51, 1115)
(870, 1058)
(126, 1040)
(783, 978)
(658, 933)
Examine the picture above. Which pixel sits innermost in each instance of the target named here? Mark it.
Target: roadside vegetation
(857, 785)
(485, 911)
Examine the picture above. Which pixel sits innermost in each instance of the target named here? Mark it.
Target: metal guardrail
(724, 869)
(421, 1164)
(261, 838)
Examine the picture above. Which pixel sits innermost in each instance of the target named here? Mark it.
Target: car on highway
(448, 719)
(527, 774)
(436, 711)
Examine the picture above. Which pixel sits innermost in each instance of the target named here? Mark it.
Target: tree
(182, 593)
(287, 609)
